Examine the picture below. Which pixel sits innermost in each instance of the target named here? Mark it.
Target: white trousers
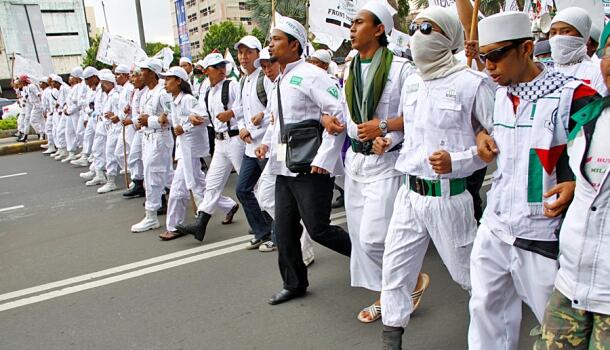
(37, 120)
(89, 136)
(449, 222)
(228, 155)
(503, 276)
(158, 169)
(266, 200)
(80, 129)
(119, 154)
(179, 195)
(99, 147)
(112, 164)
(24, 119)
(369, 207)
(48, 129)
(71, 136)
(20, 119)
(59, 124)
(134, 157)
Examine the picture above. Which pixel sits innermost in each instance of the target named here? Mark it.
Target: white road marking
(339, 221)
(337, 215)
(487, 183)
(118, 278)
(11, 208)
(115, 270)
(12, 175)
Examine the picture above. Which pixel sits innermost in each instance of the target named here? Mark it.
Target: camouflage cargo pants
(567, 328)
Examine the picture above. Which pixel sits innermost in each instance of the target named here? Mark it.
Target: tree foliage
(261, 11)
(223, 36)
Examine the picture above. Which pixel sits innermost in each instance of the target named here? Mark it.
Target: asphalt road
(72, 276)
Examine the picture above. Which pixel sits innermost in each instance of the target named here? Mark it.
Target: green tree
(154, 47)
(261, 11)
(223, 36)
(260, 35)
(91, 53)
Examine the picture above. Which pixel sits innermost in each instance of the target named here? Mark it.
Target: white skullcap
(89, 72)
(379, 9)
(185, 60)
(449, 23)
(504, 26)
(577, 18)
(107, 76)
(322, 55)
(294, 28)
(77, 72)
(176, 72)
(264, 55)
(250, 42)
(56, 78)
(595, 33)
(122, 69)
(213, 59)
(154, 64)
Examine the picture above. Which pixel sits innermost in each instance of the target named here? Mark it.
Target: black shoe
(163, 209)
(136, 191)
(338, 203)
(17, 135)
(285, 295)
(197, 228)
(392, 338)
(255, 243)
(229, 217)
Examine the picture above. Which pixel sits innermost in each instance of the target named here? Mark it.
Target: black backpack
(260, 87)
(224, 97)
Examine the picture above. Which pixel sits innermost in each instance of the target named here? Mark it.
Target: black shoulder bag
(302, 140)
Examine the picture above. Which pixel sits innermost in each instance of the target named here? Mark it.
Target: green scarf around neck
(363, 97)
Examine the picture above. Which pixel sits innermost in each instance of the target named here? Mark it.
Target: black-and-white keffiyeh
(547, 82)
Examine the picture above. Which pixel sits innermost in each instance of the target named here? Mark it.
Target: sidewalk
(10, 146)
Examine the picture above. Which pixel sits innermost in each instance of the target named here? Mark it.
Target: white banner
(166, 55)
(114, 49)
(511, 5)
(595, 8)
(441, 3)
(400, 39)
(28, 67)
(606, 4)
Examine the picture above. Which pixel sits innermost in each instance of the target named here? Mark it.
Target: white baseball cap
(176, 71)
(77, 72)
(249, 41)
(154, 64)
(89, 72)
(56, 78)
(264, 55)
(185, 60)
(199, 63)
(213, 59)
(122, 69)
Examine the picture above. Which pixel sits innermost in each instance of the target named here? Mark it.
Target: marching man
(444, 105)
(515, 250)
(89, 120)
(72, 112)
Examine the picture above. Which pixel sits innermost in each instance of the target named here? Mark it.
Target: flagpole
(474, 23)
(272, 13)
(307, 28)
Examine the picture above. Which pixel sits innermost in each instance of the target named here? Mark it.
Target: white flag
(511, 5)
(166, 55)
(232, 69)
(24, 66)
(114, 49)
(400, 39)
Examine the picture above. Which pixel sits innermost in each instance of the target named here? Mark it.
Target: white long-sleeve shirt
(195, 137)
(251, 105)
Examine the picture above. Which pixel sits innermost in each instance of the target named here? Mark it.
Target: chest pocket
(449, 115)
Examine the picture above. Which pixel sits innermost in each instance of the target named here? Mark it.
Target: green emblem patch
(296, 80)
(333, 91)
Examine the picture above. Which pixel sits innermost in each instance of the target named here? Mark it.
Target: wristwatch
(383, 126)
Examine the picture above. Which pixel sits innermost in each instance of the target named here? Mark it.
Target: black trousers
(308, 198)
(474, 183)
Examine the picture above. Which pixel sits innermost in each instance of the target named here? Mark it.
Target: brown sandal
(169, 235)
(229, 217)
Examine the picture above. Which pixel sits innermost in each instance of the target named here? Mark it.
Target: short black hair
(383, 39)
(291, 39)
(185, 87)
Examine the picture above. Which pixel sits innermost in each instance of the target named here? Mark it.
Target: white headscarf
(432, 53)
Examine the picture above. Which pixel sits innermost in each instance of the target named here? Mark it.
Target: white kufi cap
(294, 28)
(504, 26)
(577, 18)
(379, 9)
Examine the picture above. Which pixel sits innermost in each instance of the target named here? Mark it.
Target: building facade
(200, 15)
(52, 32)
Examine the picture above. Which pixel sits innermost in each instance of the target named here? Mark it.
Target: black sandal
(169, 235)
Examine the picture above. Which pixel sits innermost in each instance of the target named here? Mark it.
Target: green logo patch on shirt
(333, 91)
(296, 80)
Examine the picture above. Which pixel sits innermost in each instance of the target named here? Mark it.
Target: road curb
(9, 133)
(22, 147)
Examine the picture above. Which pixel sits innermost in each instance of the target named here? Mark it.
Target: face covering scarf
(567, 49)
(432, 55)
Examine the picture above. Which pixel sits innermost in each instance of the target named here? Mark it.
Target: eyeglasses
(603, 52)
(499, 53)
(424, 28)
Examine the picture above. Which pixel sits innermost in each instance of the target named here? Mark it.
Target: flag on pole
(166, 55)
(232, 69)
(511, 5)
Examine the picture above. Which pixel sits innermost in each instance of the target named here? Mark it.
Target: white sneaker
(267, 247)
(61, 154)
(99, 179)
(45, 146)
(150, 222)
(80, 162)
(109, 186)
(50, 150)
(91, 158)
(71, 156)
(89, 175)
(308, 261)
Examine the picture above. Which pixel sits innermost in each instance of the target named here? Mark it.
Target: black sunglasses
(219, 65)
(499, 53)
(424, 27)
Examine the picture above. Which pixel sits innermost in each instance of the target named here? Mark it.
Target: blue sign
(183, 35)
